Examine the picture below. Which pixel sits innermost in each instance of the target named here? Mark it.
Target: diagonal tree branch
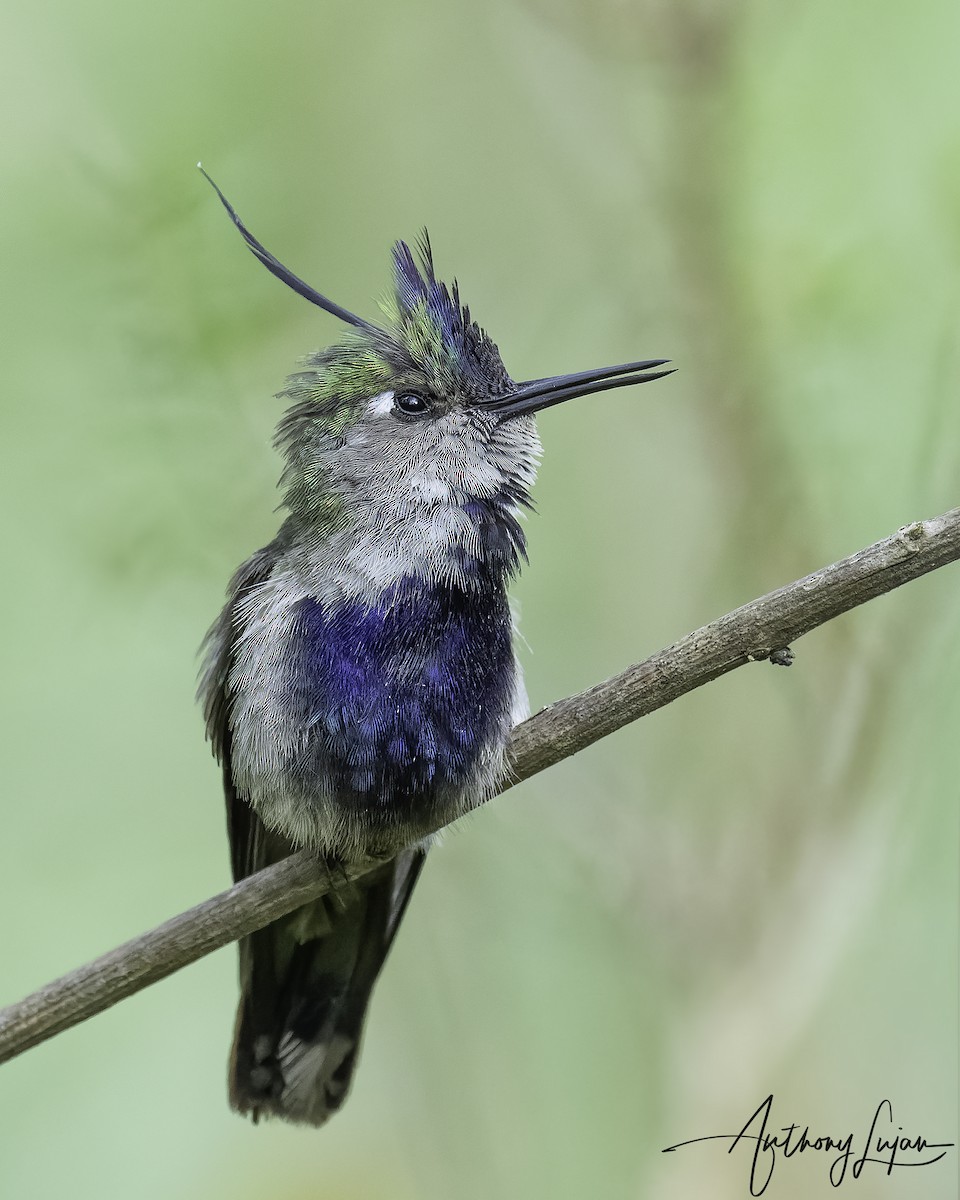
(752, 632)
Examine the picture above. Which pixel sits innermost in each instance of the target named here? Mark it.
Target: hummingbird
(360, 685)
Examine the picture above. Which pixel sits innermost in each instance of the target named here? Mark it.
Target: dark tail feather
(305, 984)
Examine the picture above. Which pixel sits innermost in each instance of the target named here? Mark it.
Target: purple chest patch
(401, 699)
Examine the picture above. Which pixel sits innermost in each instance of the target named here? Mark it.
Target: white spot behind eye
(381, 405)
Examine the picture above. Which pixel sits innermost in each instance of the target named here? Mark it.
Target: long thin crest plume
(285, 275)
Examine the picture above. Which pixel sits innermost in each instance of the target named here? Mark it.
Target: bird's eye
(410, 404)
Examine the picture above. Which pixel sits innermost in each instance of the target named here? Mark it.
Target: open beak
(536, 394)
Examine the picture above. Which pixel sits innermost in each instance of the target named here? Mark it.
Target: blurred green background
(752, 891)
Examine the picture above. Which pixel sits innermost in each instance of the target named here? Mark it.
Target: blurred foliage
(753, 891)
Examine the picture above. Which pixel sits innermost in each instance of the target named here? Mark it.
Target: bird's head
(416, 412)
